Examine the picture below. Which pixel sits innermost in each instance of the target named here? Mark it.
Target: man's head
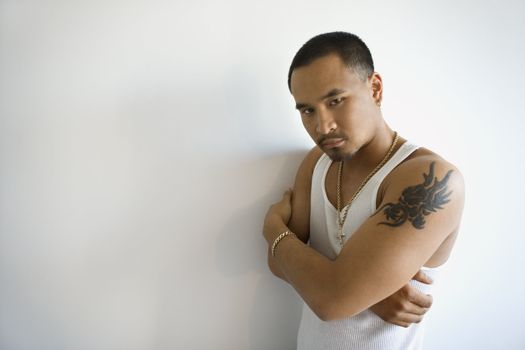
(337, 92)
(349, 47)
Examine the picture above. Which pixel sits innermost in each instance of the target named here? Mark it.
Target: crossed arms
(418, 212)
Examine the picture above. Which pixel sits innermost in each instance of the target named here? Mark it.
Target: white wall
(141, 143)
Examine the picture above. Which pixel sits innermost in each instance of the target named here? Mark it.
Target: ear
(376, 87)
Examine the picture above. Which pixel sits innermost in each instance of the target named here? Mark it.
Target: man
(376, 209)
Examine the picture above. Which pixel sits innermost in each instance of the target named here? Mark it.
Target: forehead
(322, 75)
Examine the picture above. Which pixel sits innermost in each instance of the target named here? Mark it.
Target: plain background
(141, 143)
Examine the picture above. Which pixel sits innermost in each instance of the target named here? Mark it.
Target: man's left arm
(419, 210)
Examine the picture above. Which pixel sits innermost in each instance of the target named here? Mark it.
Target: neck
(373, 151)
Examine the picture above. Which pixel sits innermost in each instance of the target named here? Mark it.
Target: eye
(336, 101)
(306, 111)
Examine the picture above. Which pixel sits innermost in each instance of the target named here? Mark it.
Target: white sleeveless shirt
(366, 330)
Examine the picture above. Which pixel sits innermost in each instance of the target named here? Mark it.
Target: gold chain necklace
(341, 222)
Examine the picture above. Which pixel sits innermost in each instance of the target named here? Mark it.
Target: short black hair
(349, 47)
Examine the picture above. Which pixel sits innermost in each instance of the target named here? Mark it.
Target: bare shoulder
(422, 184)
(415, 163)
(424, 159)
(300, 219)
(303, 179)
(310, 160)
(424, 154)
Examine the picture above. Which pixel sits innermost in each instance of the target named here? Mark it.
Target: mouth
(332, 143)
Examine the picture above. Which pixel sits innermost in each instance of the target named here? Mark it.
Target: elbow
(276, 271)
(271, 267)
(324, 314)
(334, 307)
(331, 311)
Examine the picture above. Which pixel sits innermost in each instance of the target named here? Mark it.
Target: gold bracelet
(278, 239)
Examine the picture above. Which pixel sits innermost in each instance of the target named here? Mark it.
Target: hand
(277, 217)
(407, 305)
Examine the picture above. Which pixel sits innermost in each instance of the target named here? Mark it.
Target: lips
(332, 142)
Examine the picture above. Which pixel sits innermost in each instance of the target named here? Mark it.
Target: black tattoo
(417, 201)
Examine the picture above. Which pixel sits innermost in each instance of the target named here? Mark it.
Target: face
(337, 108)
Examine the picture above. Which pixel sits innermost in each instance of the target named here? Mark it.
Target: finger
(411, 308)
(418, 298)
(409, 319)
(422, 277)
(402, 324)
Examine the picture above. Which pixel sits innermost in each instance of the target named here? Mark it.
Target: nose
(325, 123)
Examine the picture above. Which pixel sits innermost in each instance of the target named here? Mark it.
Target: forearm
(310, 273)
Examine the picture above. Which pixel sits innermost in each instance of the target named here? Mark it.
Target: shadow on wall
(155, 118)
(276, 307)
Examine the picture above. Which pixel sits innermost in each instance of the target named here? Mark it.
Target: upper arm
(421, 207)
(300, 219)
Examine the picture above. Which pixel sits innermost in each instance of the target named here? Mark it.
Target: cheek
(348, 115)
(308, 123)
(343, 117)
(310, 126)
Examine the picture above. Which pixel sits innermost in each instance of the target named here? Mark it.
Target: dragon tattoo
(418, 201)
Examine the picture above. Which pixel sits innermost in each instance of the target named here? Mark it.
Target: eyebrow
(330, 93)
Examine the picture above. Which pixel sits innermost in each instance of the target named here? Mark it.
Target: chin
(338, 155)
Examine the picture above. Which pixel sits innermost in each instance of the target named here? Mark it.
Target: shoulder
(309, 162)
(423, 161)
(425, 182)
(300, 219)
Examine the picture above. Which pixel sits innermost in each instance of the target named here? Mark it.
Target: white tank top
(366, 330)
